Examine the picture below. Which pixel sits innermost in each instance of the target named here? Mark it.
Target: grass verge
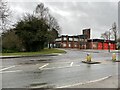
(45, 51)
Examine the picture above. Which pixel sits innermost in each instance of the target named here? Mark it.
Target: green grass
(45, 51)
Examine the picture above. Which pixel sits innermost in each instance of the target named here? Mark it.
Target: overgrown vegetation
(11, 42)
(31, 32)
(44, 51)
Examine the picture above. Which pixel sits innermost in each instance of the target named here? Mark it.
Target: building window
(94, 45)
(64, 38)
(75, 45)
(70, 39)
(81, 40)
(58, 39)
(64, 45)
(85, 40)
(75, 39)
(69, 45)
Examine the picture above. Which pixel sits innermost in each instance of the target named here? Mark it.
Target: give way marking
(44, 66)
(10, 71)
(6, 68)
(71, 63)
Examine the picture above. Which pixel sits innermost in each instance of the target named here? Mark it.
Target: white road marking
(60, 67)
(100, 79)
(7, 68)
(44, 66)
(92, 81)
(59, 54)
(71, 64)
(41, 86)
(10, 71)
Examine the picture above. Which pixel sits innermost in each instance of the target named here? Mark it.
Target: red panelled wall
(105, 46)
(99, 45)
(114, 46)
(111, 46)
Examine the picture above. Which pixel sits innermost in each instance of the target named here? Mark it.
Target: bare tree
(54, 29)
(4, 15)
(106, 35)
(114, 30)
(53, 24)
(42, 12)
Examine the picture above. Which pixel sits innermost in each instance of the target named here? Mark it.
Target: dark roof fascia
(100, 40)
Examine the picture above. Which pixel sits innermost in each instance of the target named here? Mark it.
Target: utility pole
(92, 43)
(79, 42)
(109, 41)
(114, 31)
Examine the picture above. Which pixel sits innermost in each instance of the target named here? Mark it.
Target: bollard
(88, 57)
(113, 57)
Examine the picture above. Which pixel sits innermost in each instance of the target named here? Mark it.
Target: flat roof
(101, 40)
(75, 36)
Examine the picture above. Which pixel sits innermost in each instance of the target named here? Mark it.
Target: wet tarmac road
(56, 71)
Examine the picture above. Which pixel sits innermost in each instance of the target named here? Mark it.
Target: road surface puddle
(41, 85)
(27, 62)
(37, 84)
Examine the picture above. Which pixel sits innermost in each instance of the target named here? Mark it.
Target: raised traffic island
(88, 60)
(114, 58)
(117, 61)
(92, 62)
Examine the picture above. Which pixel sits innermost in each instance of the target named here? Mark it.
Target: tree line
(33, 32)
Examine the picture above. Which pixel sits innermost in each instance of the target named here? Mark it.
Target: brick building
(84, 42)
(101, 44)
(66, 41)
(75, 41)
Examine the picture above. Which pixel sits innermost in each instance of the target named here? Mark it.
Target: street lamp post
(109, 42)
(92, 43)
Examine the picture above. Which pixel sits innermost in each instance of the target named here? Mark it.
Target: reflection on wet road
(55, 71)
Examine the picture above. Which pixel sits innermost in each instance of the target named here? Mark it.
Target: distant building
(101, 44)
(87, 33)
(65, 41)
(84, 42)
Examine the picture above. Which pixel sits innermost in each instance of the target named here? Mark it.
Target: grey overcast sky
(73, 16)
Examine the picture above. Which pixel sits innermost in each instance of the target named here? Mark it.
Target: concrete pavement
(20, 56)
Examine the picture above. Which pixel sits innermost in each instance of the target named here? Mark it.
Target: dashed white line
(71, 64)
(85, 82)
(59, 54)
(10, 71)
(6, 68)
(60, 67)
(55, 68)
(44, 66)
